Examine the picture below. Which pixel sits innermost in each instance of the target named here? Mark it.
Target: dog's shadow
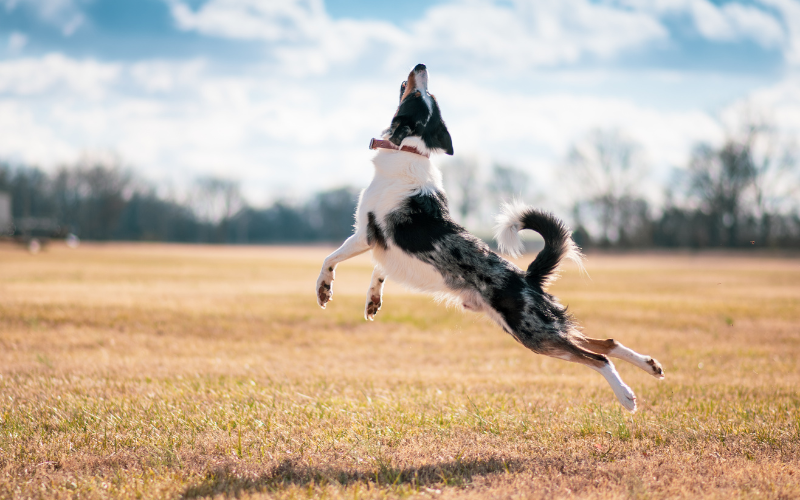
(452, 473)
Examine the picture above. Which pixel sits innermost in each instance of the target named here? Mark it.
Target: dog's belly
(408, 270)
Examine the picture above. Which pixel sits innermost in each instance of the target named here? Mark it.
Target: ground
(165, 371)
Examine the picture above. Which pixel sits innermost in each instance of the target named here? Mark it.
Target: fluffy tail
(557, 236)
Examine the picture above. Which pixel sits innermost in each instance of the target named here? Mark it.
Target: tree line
(102, 202)
(742, 194)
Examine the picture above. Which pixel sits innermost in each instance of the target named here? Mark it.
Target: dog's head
(418, 115)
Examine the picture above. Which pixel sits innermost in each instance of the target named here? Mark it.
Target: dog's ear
(436, 135)
(398, 130)
(440, 139)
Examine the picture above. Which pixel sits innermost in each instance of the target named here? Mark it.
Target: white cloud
(66, 14)
(727, 22)
(179, 121)
(55, 73)
(28, 139)
(750, 22)
(343, 42)
(294, 20)
(779, 104)
(733, 22)
(280, 132)
(528, 34)
(535, 132)
(790, 14)
(16, 41)
(165, 76)
(487, 34)
(308, 40)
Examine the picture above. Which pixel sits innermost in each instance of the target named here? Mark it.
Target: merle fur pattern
(422, 227)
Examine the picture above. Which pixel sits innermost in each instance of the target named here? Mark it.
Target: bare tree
(92, 194)
(719, 178)
(751, 179)
(776, 179)
(461, 178)
(330, 213)
(607, 170)
(215, 199)
(508, 183)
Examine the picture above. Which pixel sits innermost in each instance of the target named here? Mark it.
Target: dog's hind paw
(626, 398)
(373, 306)
(655, 368)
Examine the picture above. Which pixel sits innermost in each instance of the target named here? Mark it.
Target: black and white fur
(404, 219)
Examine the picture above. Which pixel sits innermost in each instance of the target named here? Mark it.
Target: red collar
(379, 143)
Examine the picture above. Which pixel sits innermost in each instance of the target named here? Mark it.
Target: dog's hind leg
(375, 293)
(352, 246)
(614, 349)
(597, 362)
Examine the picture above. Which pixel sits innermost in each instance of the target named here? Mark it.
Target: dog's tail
(557, 236)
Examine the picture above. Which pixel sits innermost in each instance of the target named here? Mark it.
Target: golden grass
(160, 371)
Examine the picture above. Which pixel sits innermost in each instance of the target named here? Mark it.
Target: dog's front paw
(324, 290)
(373, 306)
(324, 294)
(655, 368)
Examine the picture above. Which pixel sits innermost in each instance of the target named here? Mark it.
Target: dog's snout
(419, 75)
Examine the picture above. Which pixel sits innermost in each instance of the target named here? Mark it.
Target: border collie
(404, 219)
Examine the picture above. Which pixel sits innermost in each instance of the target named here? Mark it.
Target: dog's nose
(419, 67)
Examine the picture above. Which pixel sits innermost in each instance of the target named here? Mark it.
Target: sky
(283, 96)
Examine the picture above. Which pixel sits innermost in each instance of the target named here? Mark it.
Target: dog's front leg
(354, 245)
(375, 293)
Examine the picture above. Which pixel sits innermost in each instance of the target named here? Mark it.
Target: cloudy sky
(284, 95)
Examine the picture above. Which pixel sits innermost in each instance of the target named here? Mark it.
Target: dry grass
(184, 372)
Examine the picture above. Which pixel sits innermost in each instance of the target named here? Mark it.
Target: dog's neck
(409, 145)
(414, 171)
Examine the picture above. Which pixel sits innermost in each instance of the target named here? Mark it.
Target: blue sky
(284, 96)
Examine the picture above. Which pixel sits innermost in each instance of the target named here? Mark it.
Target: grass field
(154, 371)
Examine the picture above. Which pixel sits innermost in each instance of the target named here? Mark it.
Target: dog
(403, 218)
